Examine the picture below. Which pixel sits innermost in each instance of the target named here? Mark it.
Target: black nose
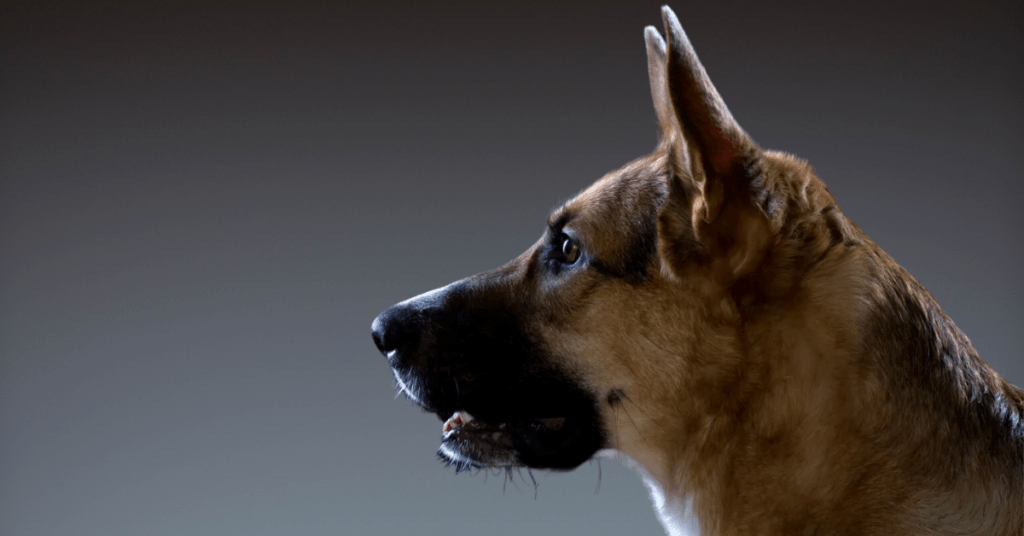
(395, 333)
(379, 329)
(382, 325)
(406, 333)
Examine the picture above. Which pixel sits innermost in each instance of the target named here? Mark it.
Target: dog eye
(570, 251)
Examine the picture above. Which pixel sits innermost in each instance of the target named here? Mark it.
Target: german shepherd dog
(708, 313)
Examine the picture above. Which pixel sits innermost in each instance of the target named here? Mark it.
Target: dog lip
(464, 420)
(550, 423)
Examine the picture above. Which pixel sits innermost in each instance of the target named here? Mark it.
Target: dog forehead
(616, 217)
(621, 196)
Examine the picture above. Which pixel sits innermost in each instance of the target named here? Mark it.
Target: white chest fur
(675, 513)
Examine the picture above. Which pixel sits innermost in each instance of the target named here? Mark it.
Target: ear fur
(668, 124)
(714, 161)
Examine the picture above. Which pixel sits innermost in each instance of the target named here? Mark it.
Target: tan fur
(759, 401)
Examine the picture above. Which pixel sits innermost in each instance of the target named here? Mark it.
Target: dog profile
(709, 314)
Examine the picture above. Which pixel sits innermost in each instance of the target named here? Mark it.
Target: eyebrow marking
(559, 219)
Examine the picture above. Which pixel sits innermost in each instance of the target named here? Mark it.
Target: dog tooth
(456, 420)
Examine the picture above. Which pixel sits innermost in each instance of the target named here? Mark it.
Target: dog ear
(668, 124)
(714, 163)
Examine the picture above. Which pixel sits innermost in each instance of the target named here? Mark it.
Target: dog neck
(672, 506)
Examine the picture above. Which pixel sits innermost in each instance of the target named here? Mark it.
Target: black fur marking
(927, 354)
(559, 218)
(614, 397)
(639, 224)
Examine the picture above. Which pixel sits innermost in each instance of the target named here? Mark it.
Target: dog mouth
(463, 421)
(469, 442)
(551, 425)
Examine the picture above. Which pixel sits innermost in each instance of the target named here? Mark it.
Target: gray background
(203, 206)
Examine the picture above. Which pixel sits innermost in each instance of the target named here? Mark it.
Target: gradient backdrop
(202, 207)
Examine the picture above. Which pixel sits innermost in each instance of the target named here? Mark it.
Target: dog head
(631, 295)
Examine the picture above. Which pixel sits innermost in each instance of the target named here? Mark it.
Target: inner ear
(679, 247)
(704, 119)
(713, 163)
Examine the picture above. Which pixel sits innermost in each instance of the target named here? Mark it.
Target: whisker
(630, 417)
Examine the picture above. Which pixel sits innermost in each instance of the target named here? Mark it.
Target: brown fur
(788, 375)
(790, 401)
(756, 354)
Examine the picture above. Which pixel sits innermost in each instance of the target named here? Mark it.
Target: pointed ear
(712, 156)
(668, 125)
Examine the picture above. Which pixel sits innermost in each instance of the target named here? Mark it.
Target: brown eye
(570, 251)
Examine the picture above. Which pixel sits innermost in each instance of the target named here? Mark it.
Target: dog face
(493, 354)
(576, 344)
(530, 363)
